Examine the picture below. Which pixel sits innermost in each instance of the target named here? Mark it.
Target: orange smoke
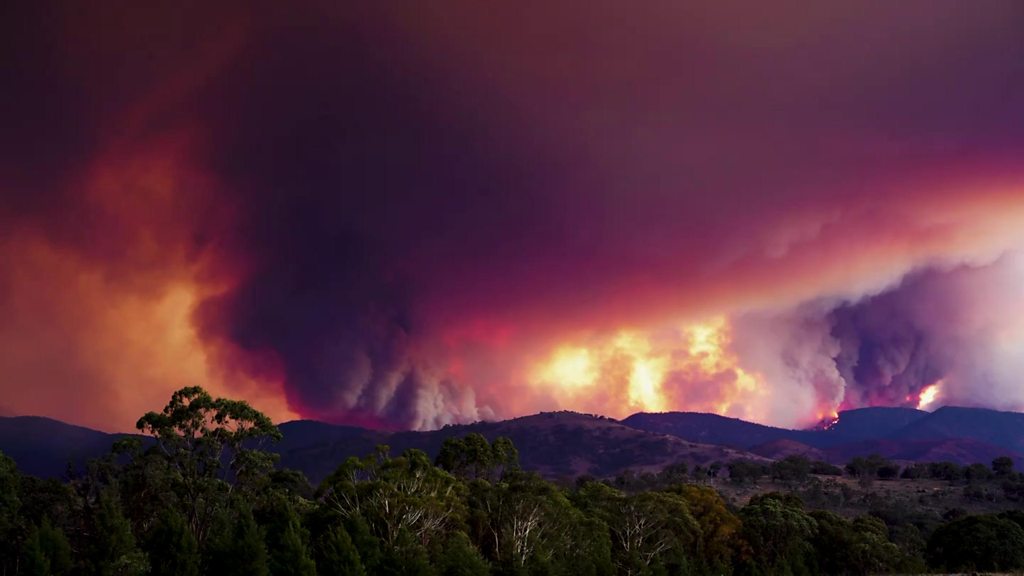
(691, 368)
(99, 308)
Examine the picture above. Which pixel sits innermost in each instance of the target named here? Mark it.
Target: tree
(367, 545)
(949, 471)
(46, 551)
(778, 531)
(336, 555)
(674, 473)
(10, 506)
(195, 433)
(56, 547)
(977, 473)
(793, 468)
(237, 548)
(405, 557)
(742, 471)
(719, 527)
(648, 529)
(172, 549)
(858, 547)
(458, 557)
(1002, 466)
(289, 554)
(915, 471)
(504, 456)
(874, 466)
(472, 457)
(34, 559)
(114, 551)
(984, 543)
(525, 523)
(395, 494)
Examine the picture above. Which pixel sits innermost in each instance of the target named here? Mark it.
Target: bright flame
(571, 368)
(827, 420)
(928, 395)
(689, 368)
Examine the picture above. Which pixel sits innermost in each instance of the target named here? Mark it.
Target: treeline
(205, 498)
(866, 469)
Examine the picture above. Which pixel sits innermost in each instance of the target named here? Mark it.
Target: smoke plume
(405, 217)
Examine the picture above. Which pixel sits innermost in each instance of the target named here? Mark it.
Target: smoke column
(408, 217)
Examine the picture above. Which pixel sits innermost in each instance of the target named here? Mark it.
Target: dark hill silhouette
(877, 422)
(783, 447)
(318, 448)
(45, 447)
(555, 444)
(959, 450)
(851, 426)
(715, 429)
(568, 444)
(1002, 429)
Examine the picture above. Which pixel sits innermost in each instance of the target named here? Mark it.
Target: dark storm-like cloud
(384, 214)
(890, 346)
(954, 327)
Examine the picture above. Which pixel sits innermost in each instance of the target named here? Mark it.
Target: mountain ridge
(567, 444)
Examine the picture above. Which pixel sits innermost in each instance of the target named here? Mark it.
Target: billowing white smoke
(794, 352)
(959, 326)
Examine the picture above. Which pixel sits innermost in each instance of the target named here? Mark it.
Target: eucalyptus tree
(650, 531)
(206, 442)
(396, 495)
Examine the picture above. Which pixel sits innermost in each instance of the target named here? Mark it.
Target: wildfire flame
(690, 367)
(928, 395)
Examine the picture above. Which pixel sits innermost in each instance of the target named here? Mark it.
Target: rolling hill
(993, 427)
(568, 444)
(45, 447)
(851, 426)
(555, 444)
(962, 435)
(877, 422)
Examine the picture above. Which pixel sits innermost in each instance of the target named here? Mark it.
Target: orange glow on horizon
(690, 368)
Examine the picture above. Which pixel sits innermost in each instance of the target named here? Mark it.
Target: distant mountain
(781, 448)
(45, 447)
(963, 435)
(959, 450)
(568, 444)
(555, 444)
(1002, 429)
(715, 429)
(851, 426)
(317, 448)
(877, 422)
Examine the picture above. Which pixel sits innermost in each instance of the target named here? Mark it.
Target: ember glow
(406, 217)
(928, 396)
(690, 367)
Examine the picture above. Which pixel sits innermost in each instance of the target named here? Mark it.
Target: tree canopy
(206, 497)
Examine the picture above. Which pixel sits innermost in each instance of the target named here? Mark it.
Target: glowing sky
(408, 216)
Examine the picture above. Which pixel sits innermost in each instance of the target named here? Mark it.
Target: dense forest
(204, 497)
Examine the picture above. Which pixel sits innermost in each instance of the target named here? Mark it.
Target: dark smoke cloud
(352, 184)
(958, 326)
(955, 326)
(887, 352)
